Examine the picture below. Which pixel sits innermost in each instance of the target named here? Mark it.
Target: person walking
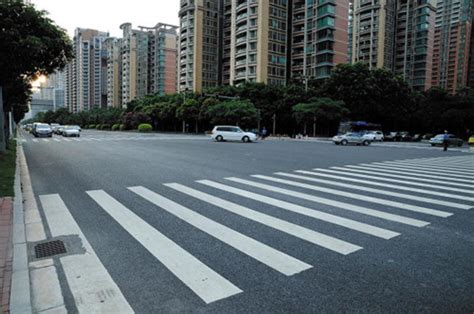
(263, 134)
(445, 141)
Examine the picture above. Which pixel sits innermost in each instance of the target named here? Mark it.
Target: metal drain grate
(48, 249)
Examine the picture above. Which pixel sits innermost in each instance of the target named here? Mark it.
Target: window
(327, 9)
(327, 21)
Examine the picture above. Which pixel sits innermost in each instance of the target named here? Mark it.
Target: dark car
(393, 137)
(42, 129)
(452, 140)
(405, 137)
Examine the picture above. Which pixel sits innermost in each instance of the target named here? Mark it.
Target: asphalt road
(417, 269)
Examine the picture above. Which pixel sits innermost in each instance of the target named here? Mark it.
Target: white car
(232, 133)
(71, 130)
(374, 136)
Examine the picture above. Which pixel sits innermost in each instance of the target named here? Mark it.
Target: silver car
(351, 138)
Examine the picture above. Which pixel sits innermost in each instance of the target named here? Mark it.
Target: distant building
(113, 47)
(452, 64)
(85, 75)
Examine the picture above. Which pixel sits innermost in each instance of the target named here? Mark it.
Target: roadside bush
(105, 127)
(91, 126)
(122, 127)
(145, 127)
(115, 127)
(97, 126)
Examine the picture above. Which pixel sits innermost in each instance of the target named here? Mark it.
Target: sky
(108, 15)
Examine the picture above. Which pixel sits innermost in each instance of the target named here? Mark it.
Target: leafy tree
(189, 110)
(324, 110)
(239, 112)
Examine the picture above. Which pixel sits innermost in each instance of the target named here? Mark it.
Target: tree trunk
(304, 128)
(3, 139)
(314, 127)
(197, 130)
(184, 126)
(274, 124)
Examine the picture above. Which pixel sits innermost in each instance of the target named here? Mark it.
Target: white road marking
(409, 173)
(342, 205)
(287, 227)
(66, 139)
(433, 169)
(45, 140)
(56, 140)
(76, 139)
(34, 140)
(263, 253)
(387, 185)
(417, 170)
(347, 168)
(418, 209)
(23, 140)
(441, 165)
(202, 280)
(86, 276)
(376, 191)
(348, 173)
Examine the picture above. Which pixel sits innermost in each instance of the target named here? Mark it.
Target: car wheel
(245, 139)
(344, 142)
(432, 144)
(219, 138)
(459, 144)
(366, 143)
(337, 143)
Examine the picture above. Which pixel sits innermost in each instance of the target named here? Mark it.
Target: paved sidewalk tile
(6, 254)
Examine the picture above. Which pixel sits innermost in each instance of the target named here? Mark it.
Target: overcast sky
(107, 15)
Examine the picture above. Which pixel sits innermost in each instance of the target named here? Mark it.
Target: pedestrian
(263, 134)
(445, 140)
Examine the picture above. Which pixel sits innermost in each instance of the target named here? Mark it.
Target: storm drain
(50, 248)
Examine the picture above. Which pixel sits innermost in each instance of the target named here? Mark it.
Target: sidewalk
(6, 254)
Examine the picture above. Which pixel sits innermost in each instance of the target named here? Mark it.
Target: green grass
(7, 170)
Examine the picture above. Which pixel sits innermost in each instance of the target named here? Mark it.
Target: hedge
(105, 127)
(122, 127)
(91, 126)
(145, 127)
(115, 127)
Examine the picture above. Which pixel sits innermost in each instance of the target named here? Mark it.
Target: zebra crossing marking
(411, 177)
(308, 211)
(376, 191)
(87, 277)
(284, 226)
(439, 170)
(201, 279)
(384, 169)
(263, 253)
(387, 185)
(439, 165)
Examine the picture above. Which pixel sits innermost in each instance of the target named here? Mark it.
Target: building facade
(113, 47)
(452, 44)
(85, 81)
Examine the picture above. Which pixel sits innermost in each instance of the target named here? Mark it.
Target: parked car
(470, 141)
(231, 133)
(405, 137)
(351, 138)
(59, 130)
(71, 130)
(452, 140)
(374, 136)
(54, 127)
(42, 129)
(417, 138)
(393, 136)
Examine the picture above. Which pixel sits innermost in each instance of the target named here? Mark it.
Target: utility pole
(3, 148)
(314, 126)
(274, 124)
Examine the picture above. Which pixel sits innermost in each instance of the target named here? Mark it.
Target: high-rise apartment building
(113, 47)
(414, 41)
(373, 32)
(452, 44)
(85, 81)
(271, 41)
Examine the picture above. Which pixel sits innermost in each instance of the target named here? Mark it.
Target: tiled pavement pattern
(6, 209)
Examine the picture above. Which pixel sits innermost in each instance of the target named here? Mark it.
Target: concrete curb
(20, 296)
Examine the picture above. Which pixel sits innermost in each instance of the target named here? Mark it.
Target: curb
(20, 296)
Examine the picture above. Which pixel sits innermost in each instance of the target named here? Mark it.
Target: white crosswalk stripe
(263, 253)
(372, 172)
(430, 169)
(339, 170)
(440, 165)
(376, 191)
(56, 140)
(202, 280)
(410, 173)
(66, 139)
(45, 140)
(448, 175)
(308, 211)
(281, 225)
(34, 140)
(387, 185)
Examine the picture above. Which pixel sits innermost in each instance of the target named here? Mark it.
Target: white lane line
(440, 165)
(379, 173)
(348, 173)
(387, 185)
(263, 253)
(375, 200)
(434, 169)
(417, 170)
(411, 174)
(45, 140)
(23, 140)
(87, 277)
(201, 279)
(320, 200)
(66, 139)
(76, 139)
(34, 140)
(287, 227)
(378, 191)
(56, 140)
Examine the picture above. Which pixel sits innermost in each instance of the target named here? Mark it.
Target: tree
(30, 45)
(239, 112)
(325, 110)
(189, 110)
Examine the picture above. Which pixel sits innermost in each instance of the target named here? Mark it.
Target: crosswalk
(379, 200)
